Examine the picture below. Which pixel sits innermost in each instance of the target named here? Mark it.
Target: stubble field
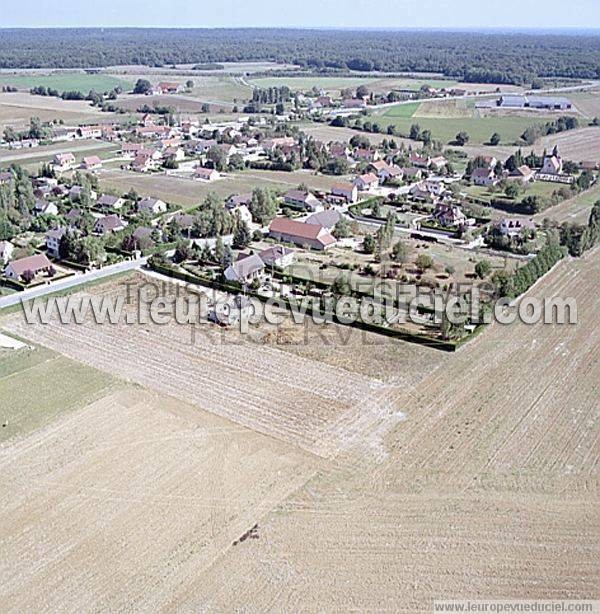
(472, 475)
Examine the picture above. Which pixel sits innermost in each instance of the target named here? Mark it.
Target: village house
(484, 176)
(302, 199)
(150, 205)
(345, 191)
(449, 215)
(385, 171)
(53, 238)
(245, 269)
(420, 161)
(523, 174)
(282, 141)
(24, 144)
(206, 174)
(435, 186)
(235, 200)
(91, 163)
(17, 269)
(143, 237)
(144, 162)
(44, 207)
(89, 132)
(354, 103)
(185, 221)
(6, 177)
(130, 150)
(490, 161)
(366, 181)
(366, 155)
(514, 226)
(6, 251)
(109, 202)
(109, 224)
(63, 162)
(173, 154)
(328, 218)
(166, 87)
(437, 162)
(305, 235)
(278, 256)
(76, 191)
(412, 173)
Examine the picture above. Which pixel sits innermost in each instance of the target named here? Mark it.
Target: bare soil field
(17, 108)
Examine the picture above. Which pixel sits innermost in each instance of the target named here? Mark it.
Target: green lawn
(81, 82)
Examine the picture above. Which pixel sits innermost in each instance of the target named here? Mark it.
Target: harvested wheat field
(476, 478)
(114, 507)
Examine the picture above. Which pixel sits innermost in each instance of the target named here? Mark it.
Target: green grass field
(37, 385)
(538, 188)
(81, 82)
(445, 129)
(403, 110)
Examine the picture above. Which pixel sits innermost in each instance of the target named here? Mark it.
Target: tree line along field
(335, 84)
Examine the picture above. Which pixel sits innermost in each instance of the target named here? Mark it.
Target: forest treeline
(477, 57)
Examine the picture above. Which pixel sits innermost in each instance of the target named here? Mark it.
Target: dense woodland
(470, 56)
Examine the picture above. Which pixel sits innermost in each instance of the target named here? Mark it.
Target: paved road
(70, 282)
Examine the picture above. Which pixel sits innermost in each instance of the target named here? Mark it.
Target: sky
(450, 14)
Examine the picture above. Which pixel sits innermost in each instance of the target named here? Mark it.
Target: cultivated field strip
(276, 393)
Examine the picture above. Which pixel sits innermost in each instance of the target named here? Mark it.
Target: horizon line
(482, 29)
